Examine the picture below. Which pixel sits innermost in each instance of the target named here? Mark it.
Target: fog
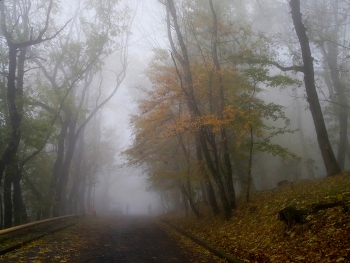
(117, 182)
(129, 185)
(149, 103)
(124, 184)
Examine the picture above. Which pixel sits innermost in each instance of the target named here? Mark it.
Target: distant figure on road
(127, 208)
(149, 209)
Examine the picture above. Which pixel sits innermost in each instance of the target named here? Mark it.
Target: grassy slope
(256, 235)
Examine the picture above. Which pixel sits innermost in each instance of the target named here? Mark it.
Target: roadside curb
(205, 244)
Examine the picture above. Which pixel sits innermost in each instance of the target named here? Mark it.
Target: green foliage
(263, 75)
(274, 149)
(36, 183)
(58, 73)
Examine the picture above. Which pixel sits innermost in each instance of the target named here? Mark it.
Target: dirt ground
(113, 239)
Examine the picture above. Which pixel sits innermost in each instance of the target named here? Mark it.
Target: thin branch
(273, 63)
(178, 74)
(42, 105)
(40, 39)
(325, 100)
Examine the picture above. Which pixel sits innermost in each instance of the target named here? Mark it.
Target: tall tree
(224, 136)
(18, 41)
(331, 164)
(80, 57)
(206, 136)
(329, 31)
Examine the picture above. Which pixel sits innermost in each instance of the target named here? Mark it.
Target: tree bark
(60, 206)
(330, 52)
(224, 139)
(331, 164)
(343, 111)
(14, 38)
(204, 193)
(20, 215)
(210, 190)
(14, 97)
(82, 190)
(19, 210)
(205, 135)
(188, 195)
(15, 118)
(74, 193)
(1, 212)
(8, 213)
(188, 192)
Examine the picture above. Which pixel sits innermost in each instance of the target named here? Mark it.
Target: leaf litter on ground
(255, 234)
(69, 245)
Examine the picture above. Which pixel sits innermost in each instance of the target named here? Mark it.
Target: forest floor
(255, 233)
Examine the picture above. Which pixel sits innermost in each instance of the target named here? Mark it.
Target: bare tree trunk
(343, 111)
(250, 162)
(330, 52)
(204, 193)
(19, 210)
(82, 190)
(188, 196)
(306, 157)
(20, 215)
(331, 164)
(58, 165)
(1, 212)
(40, 212)
(300, 126)
(60, 206)
(8, 213)
(77, 177)
(89, 193)
(187, 192)
(210, 190)
(224, 139)
(184, 198)
(14, 97)
(164, 200)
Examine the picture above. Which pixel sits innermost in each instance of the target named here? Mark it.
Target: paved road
(140, 239)
(120, 239)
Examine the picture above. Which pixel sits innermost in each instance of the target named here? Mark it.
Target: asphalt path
(141, 239)
(117, 239)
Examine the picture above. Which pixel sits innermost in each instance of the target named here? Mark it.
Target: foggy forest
(167, 103)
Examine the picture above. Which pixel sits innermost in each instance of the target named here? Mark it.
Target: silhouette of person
(127, 208)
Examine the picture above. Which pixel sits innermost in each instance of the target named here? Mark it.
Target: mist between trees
(228, 97)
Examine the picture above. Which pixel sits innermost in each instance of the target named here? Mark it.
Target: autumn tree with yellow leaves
(165, 133)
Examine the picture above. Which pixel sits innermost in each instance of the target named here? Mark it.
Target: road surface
(119, 239)
(141, 239)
